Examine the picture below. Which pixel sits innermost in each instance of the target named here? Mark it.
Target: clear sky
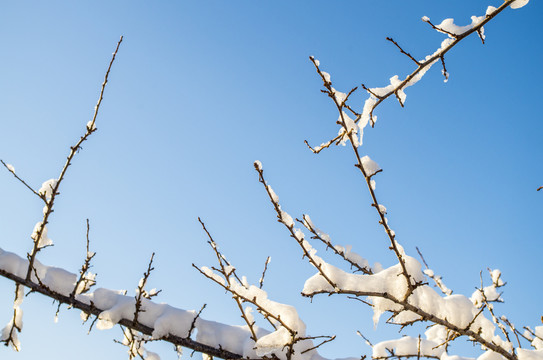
(201, 89)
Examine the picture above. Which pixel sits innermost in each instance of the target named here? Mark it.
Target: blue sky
(202, 89)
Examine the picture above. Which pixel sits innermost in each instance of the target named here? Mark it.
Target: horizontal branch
(129, 323)
(425, 316)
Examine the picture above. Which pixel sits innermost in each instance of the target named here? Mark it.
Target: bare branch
(85, 281)
(140, 292)
(329, 338)
(193, 324)
(226, 274)
(261, 281)
(73, 150)
(403, 52)
(12, 170)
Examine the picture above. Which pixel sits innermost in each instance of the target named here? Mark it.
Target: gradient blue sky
(201, 89)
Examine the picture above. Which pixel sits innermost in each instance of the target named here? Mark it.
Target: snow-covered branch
(400, 290)
(397, 87)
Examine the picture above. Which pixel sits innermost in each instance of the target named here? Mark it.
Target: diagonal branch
(127, 322)
(286, 220)
(73, 150)
(426, 316)
(226, 274)
(422, 67)
(12, 170)
(403, 51)
(318, 236)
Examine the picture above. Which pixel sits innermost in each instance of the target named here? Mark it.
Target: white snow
(258, 165)
(233, 338)
(496, 277)
(212, 275)
(490, 293)
(387, 281)
(350, 128)
(370, 166)
(151, 355)
(47, 188)
(519, 3)
(273, 195)
(340, 96)
(287, 219)
(44, 240)
(273, 342)
(366, 112)
(91, 125)
(406, 346)
(490, 355)
(525, 354)
(490, 10)
(537, 341)
(449, 27)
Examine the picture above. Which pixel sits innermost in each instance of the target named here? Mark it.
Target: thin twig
(73, 150)
(193, 324)
(330, 338)
(226, 274)
(422, 67)
(87, 282)
(261, 281)
(128, 322)
(403, 51)
(364, 269)
(41, 196)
